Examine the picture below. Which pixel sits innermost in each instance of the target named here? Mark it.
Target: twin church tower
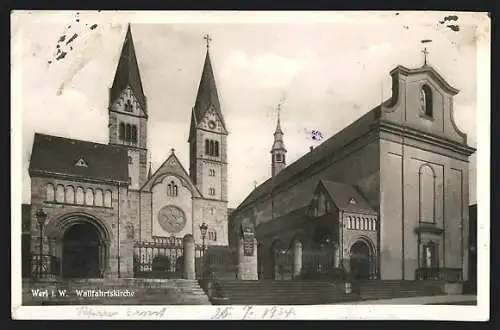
(128, 117)
(205, 183)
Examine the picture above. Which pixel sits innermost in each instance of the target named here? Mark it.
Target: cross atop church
(208, 40)
(425, 52)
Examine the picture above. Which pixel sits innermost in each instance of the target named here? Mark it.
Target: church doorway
(360, 262)
(83, 251)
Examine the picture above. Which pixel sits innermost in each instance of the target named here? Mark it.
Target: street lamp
(41, 216)
(203, 230)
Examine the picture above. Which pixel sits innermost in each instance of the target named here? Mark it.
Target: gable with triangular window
(81, 163)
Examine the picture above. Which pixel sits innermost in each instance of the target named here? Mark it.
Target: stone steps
(269, 292)
(301, 292)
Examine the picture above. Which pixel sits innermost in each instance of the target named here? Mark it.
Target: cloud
(380, 48)
(264, 70)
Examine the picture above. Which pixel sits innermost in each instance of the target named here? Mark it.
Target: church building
(98, 200)
(385, 198)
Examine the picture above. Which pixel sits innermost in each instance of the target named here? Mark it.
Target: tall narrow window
(89, 197)
(70, 195)
(172, 189)
(217, 148)
(107, 198)
(212, 148)
(49, 193)
(207, 147)
(80, 195)
(426, 100)
(128, 106)
(98, 197)
(427, 194)
(127, 133)
(430, 255)
(60, 193)
(121, 133)
(134, 134)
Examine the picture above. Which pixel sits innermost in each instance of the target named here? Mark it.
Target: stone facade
(139, 210)
(409, 161)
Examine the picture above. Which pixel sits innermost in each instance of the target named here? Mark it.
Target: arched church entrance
(83, 251)
(360, 262)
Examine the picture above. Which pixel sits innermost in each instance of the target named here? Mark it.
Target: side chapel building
(100, 198)
(390, 189)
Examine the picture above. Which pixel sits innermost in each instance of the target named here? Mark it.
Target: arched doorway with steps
(82, 244)
(362, 261)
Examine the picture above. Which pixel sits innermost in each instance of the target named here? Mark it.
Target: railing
(442, 274)
(161, 258)
(50, 267)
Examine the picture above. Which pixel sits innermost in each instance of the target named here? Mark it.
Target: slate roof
(58, 155)
(341, 195)
(295, 218)
(321, 152)
(127, 73)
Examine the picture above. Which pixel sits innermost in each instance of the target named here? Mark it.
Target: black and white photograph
(250, 165)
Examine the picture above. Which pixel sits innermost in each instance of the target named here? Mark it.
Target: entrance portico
(81, 243)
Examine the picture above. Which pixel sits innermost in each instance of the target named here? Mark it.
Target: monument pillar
(297, 258)
(127, 253)
(247, 255)
(189, 256)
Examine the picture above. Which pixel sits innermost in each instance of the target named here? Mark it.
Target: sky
(325, 69)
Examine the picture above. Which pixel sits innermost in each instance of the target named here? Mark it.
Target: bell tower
(208, 138)
(278, 151)
(128, 115)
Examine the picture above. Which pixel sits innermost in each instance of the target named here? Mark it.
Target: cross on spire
(425, 52)
(208, 40)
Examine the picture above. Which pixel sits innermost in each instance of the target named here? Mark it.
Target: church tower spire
(128, 112)
(278, 150)
(208, 137)
(127, 72)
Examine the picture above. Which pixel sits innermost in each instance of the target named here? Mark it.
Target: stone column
(297, 258)
(336, 256)
(247, 264)
(189, 256)
(127, 259)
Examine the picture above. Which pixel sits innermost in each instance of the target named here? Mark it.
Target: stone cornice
(420, 136)
(128, 114)
(426, 68)
(63, 176)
